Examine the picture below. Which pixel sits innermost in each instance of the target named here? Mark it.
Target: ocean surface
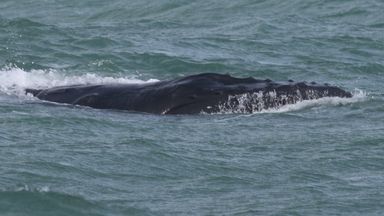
(321, 157)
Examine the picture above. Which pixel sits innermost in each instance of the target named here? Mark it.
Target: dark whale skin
(202, 93)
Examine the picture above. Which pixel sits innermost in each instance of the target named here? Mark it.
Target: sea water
(320, 157)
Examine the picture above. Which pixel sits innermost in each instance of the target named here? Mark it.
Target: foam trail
(13, 81)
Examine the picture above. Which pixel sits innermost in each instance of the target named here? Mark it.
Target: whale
(194, 94)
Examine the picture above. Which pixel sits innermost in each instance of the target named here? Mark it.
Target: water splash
(270, 103)
(13, 80)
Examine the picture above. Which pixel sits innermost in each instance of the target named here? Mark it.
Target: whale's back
(192, 94)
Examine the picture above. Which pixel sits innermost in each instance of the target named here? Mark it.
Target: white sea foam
(27, 188)
(14, 81)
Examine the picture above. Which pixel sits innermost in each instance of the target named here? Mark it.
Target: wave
(41, 201)
(19, 23)
(25, 200)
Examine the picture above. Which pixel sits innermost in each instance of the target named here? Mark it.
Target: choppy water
(323, 157)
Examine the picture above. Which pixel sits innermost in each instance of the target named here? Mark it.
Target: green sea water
(322, 157)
